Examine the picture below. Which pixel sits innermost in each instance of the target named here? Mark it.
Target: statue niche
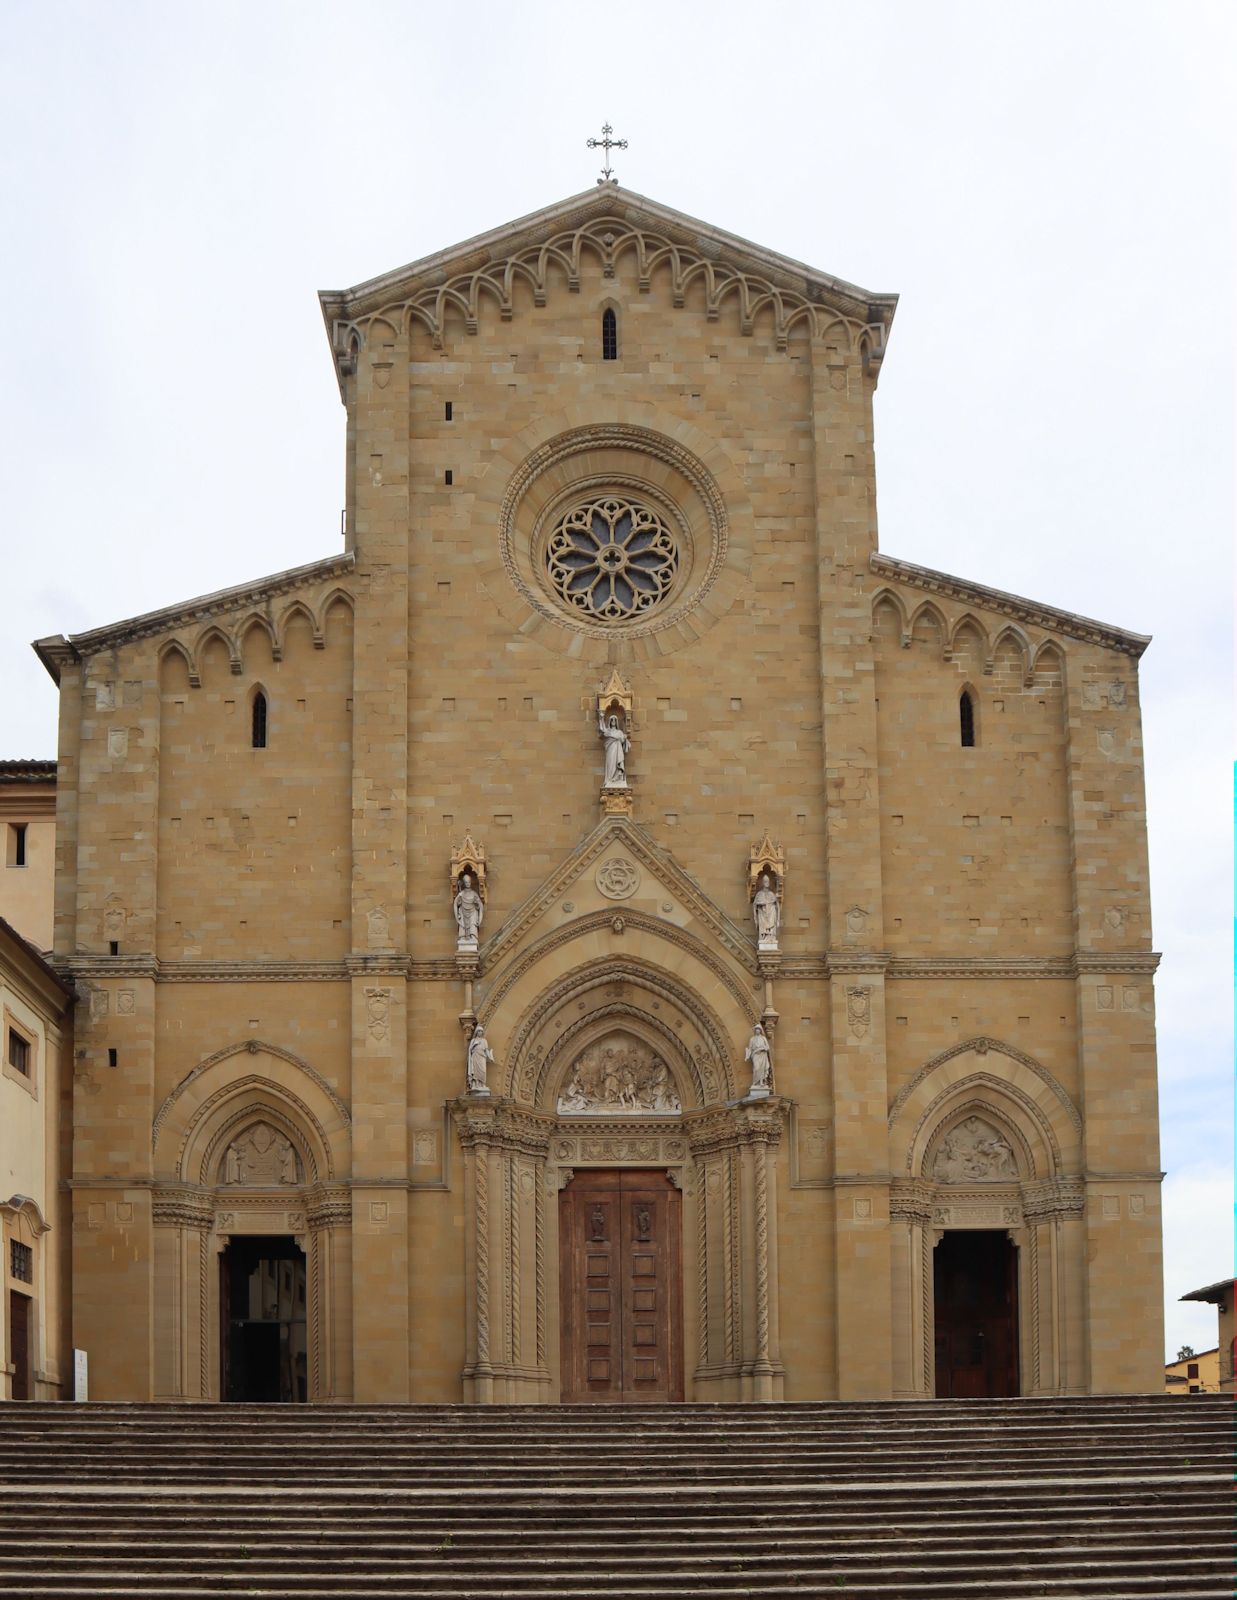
(619, 1076)
(260, 1158)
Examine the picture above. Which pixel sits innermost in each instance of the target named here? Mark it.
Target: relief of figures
(973, 1152)
(619, 1077)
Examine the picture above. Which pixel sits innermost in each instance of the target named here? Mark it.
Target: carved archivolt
(607, 991)
(986, 1098)
(983, 1046)
(247, 1047)
(557, 262)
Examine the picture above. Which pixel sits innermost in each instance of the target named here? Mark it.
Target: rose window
(612, 559)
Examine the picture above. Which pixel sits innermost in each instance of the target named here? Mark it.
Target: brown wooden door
(975, 1284)
(620, 1288)
(19, 1343)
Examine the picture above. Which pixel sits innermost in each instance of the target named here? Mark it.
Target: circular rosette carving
(612, 559)
(617, 879)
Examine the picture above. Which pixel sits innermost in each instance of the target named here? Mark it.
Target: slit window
(449, 405)
(19, 1053)
(609, 335)
(966, 718)
(16, 853)
(259, 721)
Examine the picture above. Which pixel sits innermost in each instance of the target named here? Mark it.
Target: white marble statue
(617, 746)
(469, 911)
(766, 913)
(479, 1057)
(759, 1053)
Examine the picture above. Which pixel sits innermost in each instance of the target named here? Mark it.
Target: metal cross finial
(607, 144)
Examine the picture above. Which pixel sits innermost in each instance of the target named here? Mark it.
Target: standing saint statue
(758, 1052)
(617, 746)
(469, 911)
(767, 913)
(479, 1057)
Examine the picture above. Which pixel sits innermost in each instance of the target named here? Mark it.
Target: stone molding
(607, 225)
(250, 1047)
(981, 1045)
(441, 969)
(56, 650)
(628, 835)
(1049, 618)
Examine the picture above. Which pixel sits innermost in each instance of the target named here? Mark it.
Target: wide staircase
(1118, 1498)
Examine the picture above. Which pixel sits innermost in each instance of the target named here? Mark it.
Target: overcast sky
(1048, 187)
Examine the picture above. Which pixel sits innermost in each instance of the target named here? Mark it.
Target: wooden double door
(620, 1288)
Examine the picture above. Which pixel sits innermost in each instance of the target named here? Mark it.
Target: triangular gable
(605, 223)
(583, 883)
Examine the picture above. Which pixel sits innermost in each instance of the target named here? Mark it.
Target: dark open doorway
(262, 1299)
(975, 1282)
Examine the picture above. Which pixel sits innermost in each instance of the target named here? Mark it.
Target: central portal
(620, 1288)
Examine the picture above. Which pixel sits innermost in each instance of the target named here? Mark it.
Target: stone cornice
(56, 650)
(821, 965)
(1052, 620)
(607, 223)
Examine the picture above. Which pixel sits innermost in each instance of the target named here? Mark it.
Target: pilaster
(846, 537)
(1116, 1025)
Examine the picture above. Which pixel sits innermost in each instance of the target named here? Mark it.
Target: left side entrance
(263, 1334)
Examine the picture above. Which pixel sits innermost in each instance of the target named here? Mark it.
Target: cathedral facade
(611, 933)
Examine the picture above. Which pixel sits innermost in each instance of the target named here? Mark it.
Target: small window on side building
(19, 1052)
(21, 1261)
(609, 335)
(15, 853)
(966, 717)
(259, 721)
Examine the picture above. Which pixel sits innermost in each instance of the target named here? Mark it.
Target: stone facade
(956, 977)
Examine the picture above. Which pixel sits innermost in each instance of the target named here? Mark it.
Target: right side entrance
(620, 1288)
(975, 1288)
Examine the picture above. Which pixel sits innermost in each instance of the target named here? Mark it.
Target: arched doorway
(975, 1299)
(263, 1305)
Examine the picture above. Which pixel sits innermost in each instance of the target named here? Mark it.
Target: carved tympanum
(260, 1158)
(973, 1152)
(617, 1077)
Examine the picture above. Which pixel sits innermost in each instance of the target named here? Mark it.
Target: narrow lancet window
(966, 717)
(259, 721)
(609, 336)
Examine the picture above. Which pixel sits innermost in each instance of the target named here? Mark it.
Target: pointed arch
(249, 1073)
(980, 1072)
(297, 609)
(968, 716)
(926, 619)
(890, 600)
(967, 627)
(173, 650)
(338, 596)
(264, 625)
(214, 632)
(1049, 662)
(259, 717)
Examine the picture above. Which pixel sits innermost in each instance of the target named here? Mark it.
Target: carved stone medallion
(619, 1076)
(617, 878)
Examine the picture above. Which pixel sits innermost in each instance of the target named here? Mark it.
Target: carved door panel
(975, 1284)
(620, 1288)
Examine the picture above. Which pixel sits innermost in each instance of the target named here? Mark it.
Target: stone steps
(1116, 1499)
